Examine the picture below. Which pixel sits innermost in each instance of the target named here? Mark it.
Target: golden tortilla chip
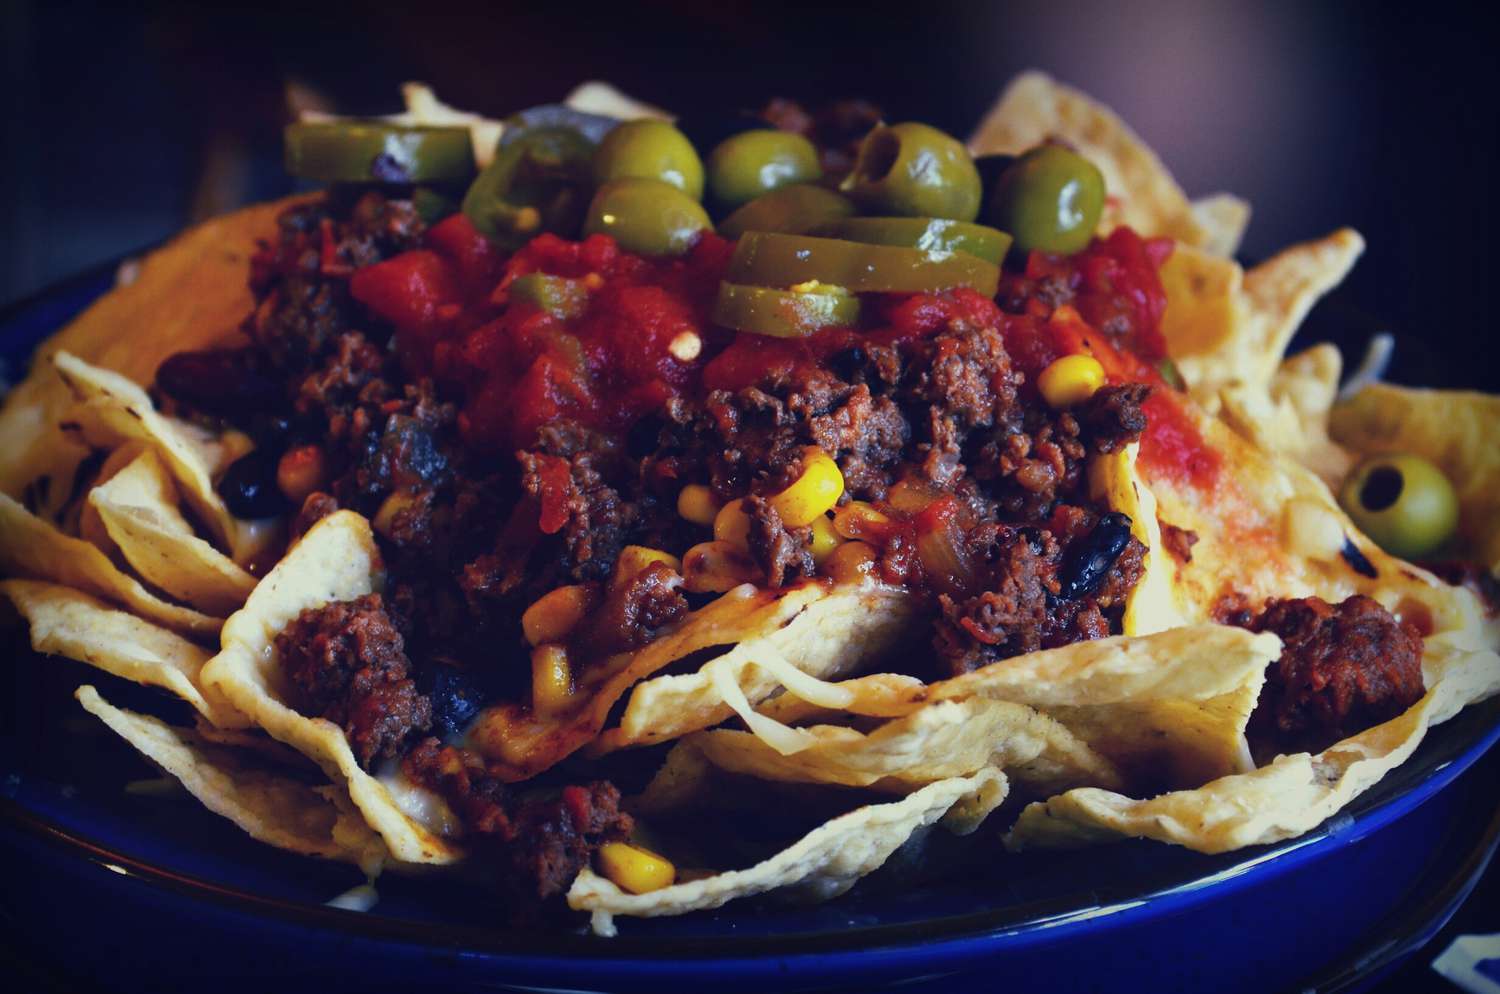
(190, 294)
(821, 865)
(31, 547)
(1290, 796)
(1291, 418)
(336, 560)
(66, 622)
(1225, 326)
(1152, 605)
(1457, 430)
(1142, 193)
(1223, 218)
(938, 740)
(137, 509)
(271, 807)
(595, 97)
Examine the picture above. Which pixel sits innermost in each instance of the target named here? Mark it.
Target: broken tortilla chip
(67, 622)
(272, 807)
(336, 560)
(822, 864)
(137, 509)
(31, 547)
(1286, 798)
(1456, 430)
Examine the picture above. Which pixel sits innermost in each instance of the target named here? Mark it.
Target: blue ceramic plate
(113, 887)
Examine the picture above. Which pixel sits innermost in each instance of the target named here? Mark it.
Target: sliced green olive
(378, 152)
(647, 216)
(915, 170)
(537, 182)
(938, 235)
(751, 163)
(649, 150)
(784, 313)
(1403, 502)
(791, 210)
(1051, 200)
(774, 260)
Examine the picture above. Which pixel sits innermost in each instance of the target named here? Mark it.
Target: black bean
(456, 698)
(1357, 560)
(1090, 560)
(249, 486)
(217, 382)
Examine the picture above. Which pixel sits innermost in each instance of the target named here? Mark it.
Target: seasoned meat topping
(1342, 669)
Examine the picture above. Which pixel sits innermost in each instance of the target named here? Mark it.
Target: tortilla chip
(1292, 417)
(828, 639)
(271, 807)
(126, 414)
(1457, 430)
(137, 509)
(424, 107)
(89, 526)
(1151, 606)
(1223, 218)
(65, 622)
(31, 547)
(939, 740)
(1223, 326)
(336, 560)
(599, 98)
(192, 293)
(821, 865)
(1279, 801)
(1142, 193)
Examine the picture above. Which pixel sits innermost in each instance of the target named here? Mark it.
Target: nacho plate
(812, 688)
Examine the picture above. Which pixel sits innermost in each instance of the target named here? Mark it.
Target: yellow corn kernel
(635, 558)
(634, 869)
(859, 519)
(1070, 380)
(714, 567)
(824, 538)
(851, 562)
(813, 493)
(732, 524)
(551, 679)
(556, 613)
(385, 515)
(696, 503)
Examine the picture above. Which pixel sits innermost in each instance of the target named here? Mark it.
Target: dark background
(122, 123)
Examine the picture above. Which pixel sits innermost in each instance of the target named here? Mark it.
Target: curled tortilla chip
(822, 864)
(31, 547)
(126, 413)
(1151, 605)
(67, 622)
(939, 740)
(1455, 429)
(138, 511)
(336, 560)
(1142, 193)
(1291, 418)
(824, 639)
(190, 294)
(1225, 326)
(1223, 218)
(272, 807)
(1289, 796)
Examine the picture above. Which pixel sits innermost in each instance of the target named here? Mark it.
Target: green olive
(793, 210)
(646, 216)
(915, 170)
(649, 150)
(751, 163)
(1403, 502)
(1050, 200)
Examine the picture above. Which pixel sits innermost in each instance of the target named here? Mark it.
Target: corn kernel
(300, 471)
(385, 515)
(813, 493)
(556, 613)
(551, 679)
(859, 519)
(1070, 380)
(824, 539)
(696, 503)
(714, 567)
(634, 869)
(851, 562)
(635, 558)
(732, 524)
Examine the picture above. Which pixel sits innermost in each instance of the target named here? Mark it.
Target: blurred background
(123, 123)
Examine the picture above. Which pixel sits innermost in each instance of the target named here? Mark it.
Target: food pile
(561, 486)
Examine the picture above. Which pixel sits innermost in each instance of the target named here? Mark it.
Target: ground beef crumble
(1343, 668)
